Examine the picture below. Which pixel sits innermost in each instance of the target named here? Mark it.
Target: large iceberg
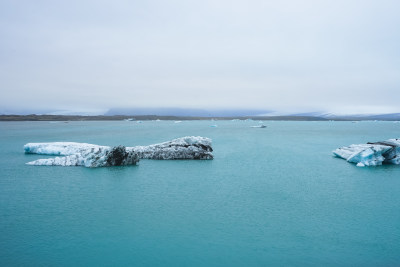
(89, 155)
(371, 154)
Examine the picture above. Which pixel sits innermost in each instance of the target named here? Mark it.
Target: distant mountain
(206, 113)
(332, 116)
(78, 112)
(389, 117)
(185, 112)
(9, 111)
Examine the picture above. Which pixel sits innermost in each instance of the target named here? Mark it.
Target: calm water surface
(272, 196)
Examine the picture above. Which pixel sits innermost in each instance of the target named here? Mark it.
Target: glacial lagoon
(271, 196)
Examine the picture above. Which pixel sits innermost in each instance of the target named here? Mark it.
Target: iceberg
(259, 126)
(189, 147)
(372, 153)
(96, 156)
(90, 155)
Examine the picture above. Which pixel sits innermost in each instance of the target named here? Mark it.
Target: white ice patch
(58, 148)
(371, 154)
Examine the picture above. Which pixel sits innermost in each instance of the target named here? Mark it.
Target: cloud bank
(276, 55)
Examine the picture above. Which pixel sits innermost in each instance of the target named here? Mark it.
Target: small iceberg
(371, 154)
(259, 126)
(214, 126)
(89, 155)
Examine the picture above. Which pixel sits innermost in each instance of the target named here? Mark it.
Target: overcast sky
(300, 55)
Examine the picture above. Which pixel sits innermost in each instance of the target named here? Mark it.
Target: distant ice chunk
(258, 126)
(371, 154)
(89, 155)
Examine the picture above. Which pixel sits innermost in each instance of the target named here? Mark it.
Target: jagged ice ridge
(371, 154)
(89, 155)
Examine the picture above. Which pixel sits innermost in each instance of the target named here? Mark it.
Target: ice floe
(371, 154)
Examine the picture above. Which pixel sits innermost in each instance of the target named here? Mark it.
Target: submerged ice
(89, 155)
(371, 154)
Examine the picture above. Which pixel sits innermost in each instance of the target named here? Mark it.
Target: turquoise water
(272, 196)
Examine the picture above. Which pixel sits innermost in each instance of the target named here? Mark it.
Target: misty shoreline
(34, 117)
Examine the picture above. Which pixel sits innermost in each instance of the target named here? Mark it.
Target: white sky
(302, 55)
